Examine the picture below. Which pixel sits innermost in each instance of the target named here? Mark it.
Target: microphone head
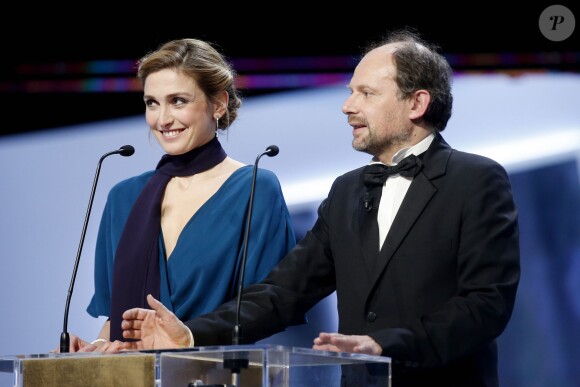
(126, 150)
(272, 150)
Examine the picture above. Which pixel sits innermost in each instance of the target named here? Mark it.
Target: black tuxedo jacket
(435, 297)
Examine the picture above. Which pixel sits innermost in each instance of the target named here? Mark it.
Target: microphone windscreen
(272, 150)
(126, 150)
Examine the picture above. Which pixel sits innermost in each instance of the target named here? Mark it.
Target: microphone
(270, 151)
(125, 150)
(368, 201)
(234, 362)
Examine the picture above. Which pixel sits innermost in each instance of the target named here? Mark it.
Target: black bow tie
(377, 174)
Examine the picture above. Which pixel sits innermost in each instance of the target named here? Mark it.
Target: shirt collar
(416, 149)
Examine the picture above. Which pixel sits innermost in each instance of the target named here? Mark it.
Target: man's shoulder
(352, 174)
(469, 159)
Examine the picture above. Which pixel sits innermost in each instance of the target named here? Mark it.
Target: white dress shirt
(395, 188)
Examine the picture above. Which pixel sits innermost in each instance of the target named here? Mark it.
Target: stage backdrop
(530, 123)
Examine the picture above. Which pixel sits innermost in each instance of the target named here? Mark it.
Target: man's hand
(158, 328)
(337, 342)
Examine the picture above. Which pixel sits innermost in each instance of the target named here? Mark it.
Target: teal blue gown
(203, 269)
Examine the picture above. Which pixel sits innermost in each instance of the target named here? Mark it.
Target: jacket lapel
(369, 232)
(417, 198)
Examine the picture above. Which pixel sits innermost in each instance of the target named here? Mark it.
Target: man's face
(380, 120)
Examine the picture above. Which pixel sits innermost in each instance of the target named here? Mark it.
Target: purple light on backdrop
(84, 76)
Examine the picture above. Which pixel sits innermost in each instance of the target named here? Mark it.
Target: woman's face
(178, 112)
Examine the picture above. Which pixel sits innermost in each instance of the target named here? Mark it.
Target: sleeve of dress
(271, 233)
(100, 304)
(119, 203)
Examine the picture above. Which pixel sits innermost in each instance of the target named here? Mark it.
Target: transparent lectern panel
(271, 366)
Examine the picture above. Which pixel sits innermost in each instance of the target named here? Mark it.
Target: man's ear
(419, 103)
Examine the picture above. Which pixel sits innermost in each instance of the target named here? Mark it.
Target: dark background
(475, 37)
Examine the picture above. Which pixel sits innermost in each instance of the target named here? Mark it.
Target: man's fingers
(129, 314)
(326, 347)
(131, 334)
(131, 346)
(157, 306)
(135, 314)
(131, 324)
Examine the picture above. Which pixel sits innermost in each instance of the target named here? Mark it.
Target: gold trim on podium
(93, 371)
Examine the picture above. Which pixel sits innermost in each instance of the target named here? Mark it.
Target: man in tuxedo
(421, 245)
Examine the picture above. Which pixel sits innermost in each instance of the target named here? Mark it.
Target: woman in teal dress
(177, 232)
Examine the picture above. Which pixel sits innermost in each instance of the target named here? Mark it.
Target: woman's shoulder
(131, 184)
(240, 180)
(264, 176)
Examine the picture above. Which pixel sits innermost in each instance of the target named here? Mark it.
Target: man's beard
(375, 145)
(365, 144)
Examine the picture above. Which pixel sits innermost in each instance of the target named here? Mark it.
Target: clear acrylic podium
(258, 365)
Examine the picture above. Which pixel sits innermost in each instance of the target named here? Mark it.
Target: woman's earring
(217, 124)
